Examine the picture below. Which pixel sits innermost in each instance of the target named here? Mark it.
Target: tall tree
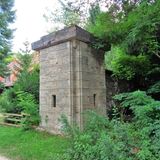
(7, 16)
(133, 29)
(72, 12)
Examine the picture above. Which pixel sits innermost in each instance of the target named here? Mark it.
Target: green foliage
(27, 102)
(24, 96)
(101, 139)
(104, 139)
(29, 82)
(28, 78)
(69, 15)
(2, 86)
(73, 12)
(126, 66)
(8, 102)
(94, 11)
(140, 103)
(9, 58)
(66, 127)
(146, 121)
(65, 15)
(6, 17)
(132, 99)
(154, 89)
(99, 29)
(25, 61)
(134, 30)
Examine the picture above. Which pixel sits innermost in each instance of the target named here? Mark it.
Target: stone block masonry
(72, 77)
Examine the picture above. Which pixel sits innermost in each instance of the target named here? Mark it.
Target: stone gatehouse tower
(72, 77)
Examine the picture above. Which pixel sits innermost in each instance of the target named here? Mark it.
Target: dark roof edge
(68, 33)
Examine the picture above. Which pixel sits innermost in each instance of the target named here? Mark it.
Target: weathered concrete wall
(72, 74)
(87, 81)
(54, 80)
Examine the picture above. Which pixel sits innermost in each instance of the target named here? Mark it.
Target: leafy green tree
(65, 15)
(6, 17)
(28, 78)
(73, 12)
(26, 47)
(29, 82)
(94, 11)
(133, 31)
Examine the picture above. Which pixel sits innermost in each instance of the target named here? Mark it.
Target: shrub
(154, 89)
(29, 82)
(144, 107)
(8, 102)
(101, 139)
(104, 139)
(146, 121)
(30, 107)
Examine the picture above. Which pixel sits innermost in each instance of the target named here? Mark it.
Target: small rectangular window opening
(54, 100)
(94, 99)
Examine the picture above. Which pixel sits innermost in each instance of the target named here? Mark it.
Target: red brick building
(15, 68)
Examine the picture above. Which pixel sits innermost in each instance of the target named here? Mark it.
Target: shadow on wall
(115, 86)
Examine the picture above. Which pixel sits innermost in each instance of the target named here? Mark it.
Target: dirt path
(3, 158)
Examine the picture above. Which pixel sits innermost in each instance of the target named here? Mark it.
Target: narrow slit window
(94, 99)
(54, 100)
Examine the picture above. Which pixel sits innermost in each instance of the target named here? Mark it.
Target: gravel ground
(3, 158)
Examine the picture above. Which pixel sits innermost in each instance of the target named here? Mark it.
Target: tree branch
(157, 55)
